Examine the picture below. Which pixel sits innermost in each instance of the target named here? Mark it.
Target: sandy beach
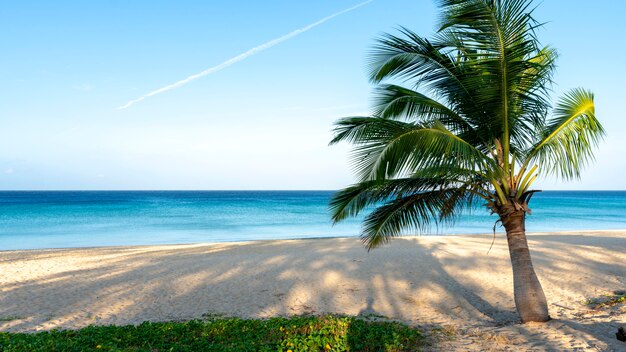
(446, 285)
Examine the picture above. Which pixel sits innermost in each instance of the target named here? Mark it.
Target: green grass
(328, 333)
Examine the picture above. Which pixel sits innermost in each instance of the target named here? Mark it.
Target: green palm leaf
(416, 211)
(570, 137)
(389, 148)
(352, 200)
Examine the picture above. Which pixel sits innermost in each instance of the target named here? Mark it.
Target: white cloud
(9, 171)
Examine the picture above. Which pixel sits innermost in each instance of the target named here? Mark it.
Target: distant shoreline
(253, 190)
(356, 237)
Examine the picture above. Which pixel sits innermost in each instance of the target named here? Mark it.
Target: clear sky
(261, 123)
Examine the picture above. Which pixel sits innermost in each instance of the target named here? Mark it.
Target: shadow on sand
(418, 282)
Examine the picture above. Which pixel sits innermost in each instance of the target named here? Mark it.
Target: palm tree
(461, 118)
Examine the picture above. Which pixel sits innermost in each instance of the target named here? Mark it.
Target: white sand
(426, 281)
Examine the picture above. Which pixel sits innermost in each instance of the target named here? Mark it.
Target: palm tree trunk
(530, 300)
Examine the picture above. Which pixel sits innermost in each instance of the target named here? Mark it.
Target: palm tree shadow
(446, 292)
(137, 285)
(130, 285)
(368, 310)
(498, 316)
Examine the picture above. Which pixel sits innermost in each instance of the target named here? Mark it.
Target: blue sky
(262, 123)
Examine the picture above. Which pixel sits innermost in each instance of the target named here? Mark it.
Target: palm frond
(531, 103)
(501, 36)
(418, 61)
(397, 102)
(570, 136)
(388, 148)
(416, 211)
(364, 129)
(352, 200)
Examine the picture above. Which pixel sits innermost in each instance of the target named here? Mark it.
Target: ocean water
(59, 219)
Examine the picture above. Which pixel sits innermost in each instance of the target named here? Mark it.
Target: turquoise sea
(58, 219)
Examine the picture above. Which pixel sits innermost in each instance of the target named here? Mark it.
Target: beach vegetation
(303, 333)
(607, 300)
(464, 119)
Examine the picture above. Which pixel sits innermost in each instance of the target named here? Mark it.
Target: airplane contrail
(242, 56)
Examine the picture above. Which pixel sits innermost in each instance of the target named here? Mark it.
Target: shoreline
(356, 237)
(436, 282)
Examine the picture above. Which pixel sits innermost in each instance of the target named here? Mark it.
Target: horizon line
(253, 190)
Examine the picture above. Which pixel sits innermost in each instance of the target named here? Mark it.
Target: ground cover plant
(328, 333)
(607, 300)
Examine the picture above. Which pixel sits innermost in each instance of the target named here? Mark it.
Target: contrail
(242, 56)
